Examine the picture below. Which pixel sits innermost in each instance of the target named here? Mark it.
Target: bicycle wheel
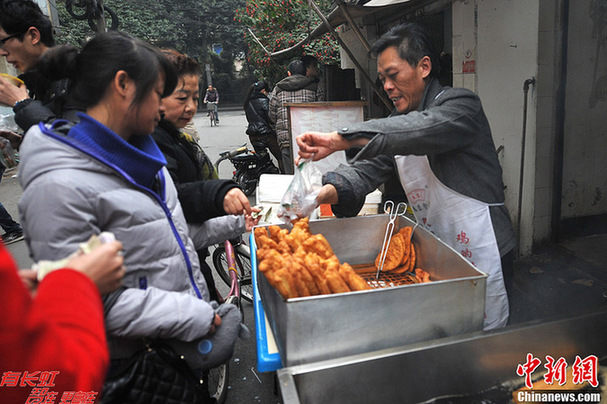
(243, 263)
(248, 182)
(218, 382)
(212, 116)
(80, 12)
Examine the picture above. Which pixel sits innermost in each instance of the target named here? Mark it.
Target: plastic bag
(7, 122)
(300, 198)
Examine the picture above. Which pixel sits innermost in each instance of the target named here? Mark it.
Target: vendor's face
(403, 83)
(183, 103)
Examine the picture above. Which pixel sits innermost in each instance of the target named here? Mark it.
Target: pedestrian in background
(296, 87)
(212, 95)
(259, 129)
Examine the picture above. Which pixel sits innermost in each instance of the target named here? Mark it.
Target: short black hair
(412, 41)
(297, 67)
(17, 16)
(309, 60)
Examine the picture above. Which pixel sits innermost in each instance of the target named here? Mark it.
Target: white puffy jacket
(69, 195)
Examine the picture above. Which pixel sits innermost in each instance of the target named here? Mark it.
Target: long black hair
(92, 69)
(255, 87)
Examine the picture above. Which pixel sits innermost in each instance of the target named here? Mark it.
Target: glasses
(3, 40)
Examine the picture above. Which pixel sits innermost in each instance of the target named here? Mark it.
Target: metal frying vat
(452, 367)
(316, 328)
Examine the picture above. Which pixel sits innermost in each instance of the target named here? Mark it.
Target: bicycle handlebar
(228, 154)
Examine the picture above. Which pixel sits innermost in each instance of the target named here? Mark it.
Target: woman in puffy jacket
(107, 174)
(260, 130)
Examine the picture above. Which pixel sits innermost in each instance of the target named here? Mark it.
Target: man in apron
(439, 142)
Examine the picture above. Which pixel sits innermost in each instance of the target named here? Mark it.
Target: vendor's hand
(327, 194)
(236, 203)
(216, 323)
(10, 93)
(104, 266)
(12, 137)
(318, 145)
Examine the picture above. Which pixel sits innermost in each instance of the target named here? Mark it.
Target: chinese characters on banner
(583, 370)
(40, 383)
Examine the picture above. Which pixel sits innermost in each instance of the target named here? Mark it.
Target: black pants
(261, 142)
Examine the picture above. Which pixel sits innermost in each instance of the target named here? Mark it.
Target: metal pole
(526, 85)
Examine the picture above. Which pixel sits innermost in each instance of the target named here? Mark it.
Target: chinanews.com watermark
(40, 384)
(560, 383)
(551, 396)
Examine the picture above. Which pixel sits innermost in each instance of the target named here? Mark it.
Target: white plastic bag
(300, 198)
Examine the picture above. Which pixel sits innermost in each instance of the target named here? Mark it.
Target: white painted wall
(501, 37)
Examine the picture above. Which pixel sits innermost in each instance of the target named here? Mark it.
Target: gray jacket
(450, 127)
(68, 195)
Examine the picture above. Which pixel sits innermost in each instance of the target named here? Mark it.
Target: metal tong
(400, 210)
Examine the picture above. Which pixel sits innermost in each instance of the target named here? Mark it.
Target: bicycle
(242, 253)
(92, 11)
(211, 106)
(218, 377)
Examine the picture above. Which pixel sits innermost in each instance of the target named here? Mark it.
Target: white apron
(461, 222)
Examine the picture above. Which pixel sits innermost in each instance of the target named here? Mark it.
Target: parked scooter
(249, 166)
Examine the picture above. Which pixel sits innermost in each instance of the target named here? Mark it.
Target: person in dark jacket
(27, 34)
(201, 193)
(260, 130)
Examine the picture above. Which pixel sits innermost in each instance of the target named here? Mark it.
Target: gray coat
(450, 127)
(68, 195)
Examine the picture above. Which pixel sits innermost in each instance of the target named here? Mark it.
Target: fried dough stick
(354, 281)
(303, 272)
(276, 233)
(318, 244)
(273, 267)
(313, 264)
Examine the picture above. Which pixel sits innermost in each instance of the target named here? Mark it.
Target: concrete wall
(495, 49)
(585, 164)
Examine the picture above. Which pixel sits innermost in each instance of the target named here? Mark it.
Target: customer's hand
(216, 323)
(10, 93)
(104, 265)
(251, 222)
(236, 203)
(12, 137)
